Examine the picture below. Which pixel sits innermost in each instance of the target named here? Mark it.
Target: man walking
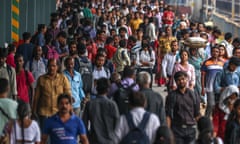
(49, 86)
(64, 127)
(182, 110)
(76, 83)
(102, 115)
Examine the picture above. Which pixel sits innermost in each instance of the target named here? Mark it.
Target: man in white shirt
(169, 61)
(137, 102)
(99, 70)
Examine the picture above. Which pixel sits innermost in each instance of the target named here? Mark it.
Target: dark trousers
(149, 70)
(184, 135)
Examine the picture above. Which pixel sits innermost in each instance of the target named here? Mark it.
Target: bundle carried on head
(195, 42)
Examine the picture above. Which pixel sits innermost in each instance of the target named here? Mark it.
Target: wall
(32, 13)
(226, 24)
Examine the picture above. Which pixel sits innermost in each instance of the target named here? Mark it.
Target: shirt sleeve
(81, 128)
(126, 57)
(46, 127)
(193, 77)
(38, 134)
(81, 92)
(67, 87)
(204, 68)
(217, 82)
(164, 66)
(13, 82)
(30, 78)
(152, 63)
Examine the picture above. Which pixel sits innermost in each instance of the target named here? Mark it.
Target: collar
(101, 96)
(98, 69)
(187, 90)
(228, 72)
(41, 59)
(47, 76)
(57, 117)
(138, 110)
(67, 72)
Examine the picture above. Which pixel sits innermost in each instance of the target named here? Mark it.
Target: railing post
(233, 9)
(15, 20)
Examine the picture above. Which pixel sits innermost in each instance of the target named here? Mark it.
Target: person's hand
(203, 92)
(222, 89)
(230, 106)
(167, 79)
(173, 87)
(214, 134)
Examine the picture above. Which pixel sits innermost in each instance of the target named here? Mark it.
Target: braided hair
(23, 110)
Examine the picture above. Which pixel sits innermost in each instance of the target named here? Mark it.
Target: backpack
(5, 137)
(137, 134)
(51, 53)
(85, 69)
(121, 97)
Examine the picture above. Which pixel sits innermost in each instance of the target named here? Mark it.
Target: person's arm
(85, 116)
(81, 92)
(33, 91)
(44, 139)
(126, 57)
(66, 85)
(169, 121)
(169, 110)
(153, 59)
(83, 139)
(36, 96)
(193, 78)
(13, 84)
(164, 66)
(162, 112)
(217, 83)
(203, 75)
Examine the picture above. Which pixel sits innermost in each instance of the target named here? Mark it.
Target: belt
(188, 126)
(185, 126)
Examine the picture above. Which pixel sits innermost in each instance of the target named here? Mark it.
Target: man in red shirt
(24, 80)
(168, 16)
(110, 48)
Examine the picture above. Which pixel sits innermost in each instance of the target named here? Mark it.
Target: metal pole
(233, 9)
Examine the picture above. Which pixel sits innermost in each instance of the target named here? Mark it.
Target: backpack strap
(5, 114)
(107, 71)
(26, 76)
(144, 121)
(30, 65)
(129, 119)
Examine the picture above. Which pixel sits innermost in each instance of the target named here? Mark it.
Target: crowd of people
(87, 77)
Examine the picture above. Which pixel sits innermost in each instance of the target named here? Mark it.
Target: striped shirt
(211, 68)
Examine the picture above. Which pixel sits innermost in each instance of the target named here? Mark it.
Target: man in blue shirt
(64, 127)
(76, 84)
(26, 49)
(229, 76)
